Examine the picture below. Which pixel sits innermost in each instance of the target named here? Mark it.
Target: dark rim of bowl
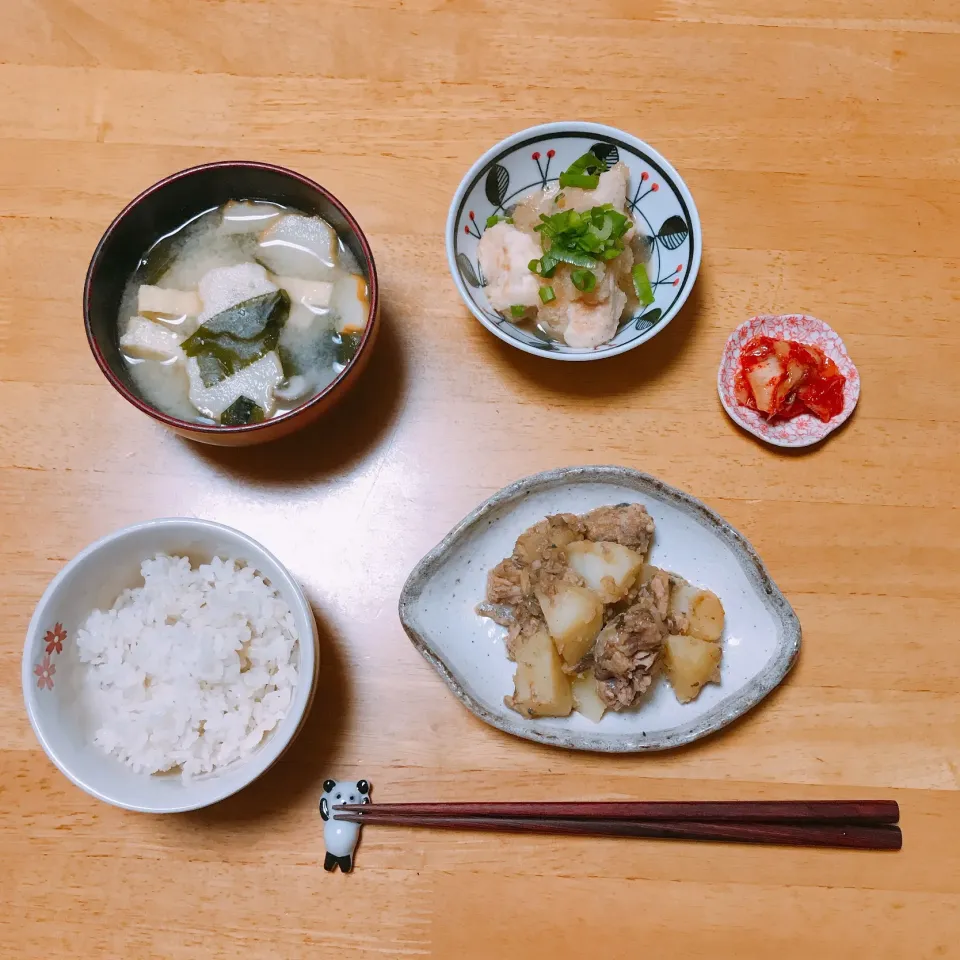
(189, 425)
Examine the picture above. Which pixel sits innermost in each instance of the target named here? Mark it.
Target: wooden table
(822, 151)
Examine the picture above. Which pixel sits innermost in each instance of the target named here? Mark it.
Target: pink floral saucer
(806, 429)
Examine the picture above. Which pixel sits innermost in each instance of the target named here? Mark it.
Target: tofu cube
(351, 304)
(167, 302)
(313, 293)
(146, 340)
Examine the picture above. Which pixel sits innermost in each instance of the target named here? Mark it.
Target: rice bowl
(55, 686)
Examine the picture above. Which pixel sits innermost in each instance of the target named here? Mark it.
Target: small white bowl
(94, 579)
(660, 203)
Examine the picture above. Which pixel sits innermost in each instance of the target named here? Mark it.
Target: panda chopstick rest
(340, 836)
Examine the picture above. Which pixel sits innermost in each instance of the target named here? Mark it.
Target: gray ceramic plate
(761, 639)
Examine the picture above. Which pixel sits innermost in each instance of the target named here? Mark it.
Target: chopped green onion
(495, 218)
(547, 294)
(583, 280)
(585, 181)
(573, 257)
(517, 311)
(548, 266)
(581, 238)
(641, 283)
(588, 163)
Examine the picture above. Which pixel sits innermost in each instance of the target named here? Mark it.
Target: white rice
(192, 670)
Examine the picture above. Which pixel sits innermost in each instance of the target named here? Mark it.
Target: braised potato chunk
(608, 569)
(586, 698)
(574, 617)
(691, 663)
(541, 688)
(701, 608)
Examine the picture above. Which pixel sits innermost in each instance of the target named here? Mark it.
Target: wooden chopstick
(813, 834)
(863, 812)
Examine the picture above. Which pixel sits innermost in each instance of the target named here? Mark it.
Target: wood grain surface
(822, 144)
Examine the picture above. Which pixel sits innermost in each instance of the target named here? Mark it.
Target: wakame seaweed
(211, 369)
(347, 346)
(237, 336)
(242, 411)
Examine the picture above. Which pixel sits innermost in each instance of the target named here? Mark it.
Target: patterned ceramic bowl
(94, 579)
(806, 429)
(659, 202)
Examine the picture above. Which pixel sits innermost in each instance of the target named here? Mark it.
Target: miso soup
(243, 313)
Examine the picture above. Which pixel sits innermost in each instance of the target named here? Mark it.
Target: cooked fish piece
(504, 253)
(611, 189)
(591, 322)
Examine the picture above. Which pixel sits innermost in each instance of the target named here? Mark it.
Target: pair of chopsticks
(853, 824)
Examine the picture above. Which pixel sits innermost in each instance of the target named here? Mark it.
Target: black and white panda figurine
(340, 836)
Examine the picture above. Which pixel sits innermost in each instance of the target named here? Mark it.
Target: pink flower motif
(644, 175)
(473, 216)
(536, 155)
(679, 268)
(466, 230)
(45, 671)
(655, 187)
(54, 638)
(551, 154)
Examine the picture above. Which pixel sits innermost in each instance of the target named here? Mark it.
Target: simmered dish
(242, 314)
(591, 624)
(568, 259)
(783, 378)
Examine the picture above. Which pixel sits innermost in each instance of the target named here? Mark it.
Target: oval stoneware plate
(805, 430)
(761, 639)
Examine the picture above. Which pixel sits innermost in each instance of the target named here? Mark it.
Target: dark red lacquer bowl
(162, 208)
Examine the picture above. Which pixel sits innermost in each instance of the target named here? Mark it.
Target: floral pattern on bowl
(45, 668)
(659, 202)
(806, 429)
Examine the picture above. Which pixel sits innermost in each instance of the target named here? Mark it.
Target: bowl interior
(95, 579)
(658, 201)
(169, 204)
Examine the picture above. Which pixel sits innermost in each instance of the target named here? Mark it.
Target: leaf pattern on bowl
(673, 232)
(647, 320)
(607, 152)
(497, 185)
(466, 268)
